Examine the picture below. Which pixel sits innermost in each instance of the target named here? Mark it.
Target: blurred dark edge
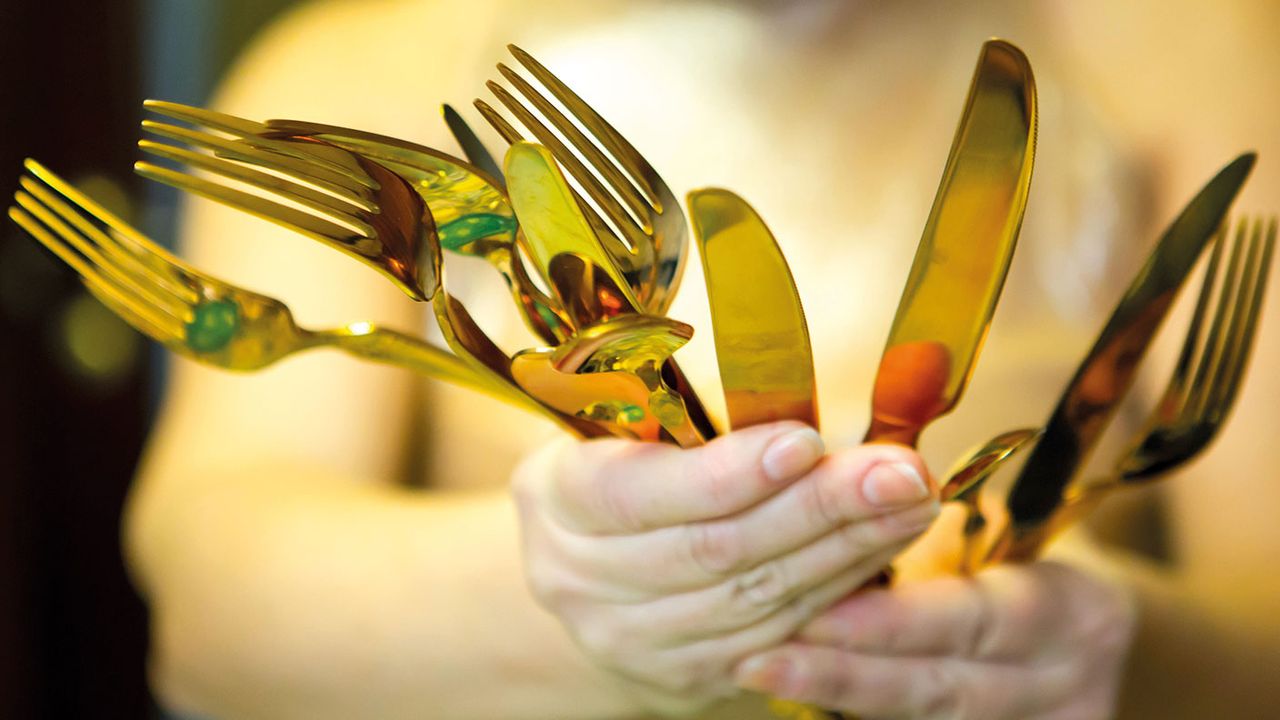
(73, 632)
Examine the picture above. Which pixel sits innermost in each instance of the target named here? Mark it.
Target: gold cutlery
(469, 205)
(339, 197)
(762, 341)
(1205, 381)
(1105, 374)
(583, 276)
(964, 255)
(637, 205)
(195, 314)
(472, 147)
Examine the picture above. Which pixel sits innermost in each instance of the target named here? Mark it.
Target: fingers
(925, 688)
(1003, 614)
(849, 487)
(793, 582)
(618, 487)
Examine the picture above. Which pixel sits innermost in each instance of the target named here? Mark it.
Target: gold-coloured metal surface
(582, 275)
(470, 207)
(190, 312)
(634, 202)
(964, 254)
(472, 147)
(762, 341)
(964, 485)
(552, 220)
(1205, 381)
(641, 345)
(386, 226)
(1104, 376)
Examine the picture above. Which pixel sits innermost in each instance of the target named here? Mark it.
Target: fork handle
(390, 347)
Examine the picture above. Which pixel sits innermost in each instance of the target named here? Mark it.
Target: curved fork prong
(166, 281)
(627, 157)
(1173, 401)
(623, 187)
(1249, 308)
(618, 216)
(100, 267)
(1215, 343)
(320, 202)
(313, 226)
(161, 326)
(304, 169)
(253, 133)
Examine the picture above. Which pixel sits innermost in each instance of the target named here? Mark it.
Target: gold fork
(332, 195)
(1201, 390)
(1206, 379)
(194, 314)
(635, 201)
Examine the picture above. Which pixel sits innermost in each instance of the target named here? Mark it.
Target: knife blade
(761, 339)
(1105, 374)
(964, 253)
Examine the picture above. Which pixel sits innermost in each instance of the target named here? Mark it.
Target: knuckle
(822, 503)
(945, 697)
(717, 547)
(544, 581)
(979, 641)
(716, 471)
(764, 586)
(833, 686)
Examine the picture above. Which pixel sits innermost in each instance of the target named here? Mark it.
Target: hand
(668, 566)
(1038, 641)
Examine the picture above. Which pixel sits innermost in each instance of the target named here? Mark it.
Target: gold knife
(964, 255)
(762, 341)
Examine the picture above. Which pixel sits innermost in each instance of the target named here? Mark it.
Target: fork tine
(627, 157)
(310, 225)
(253, 132)
(320, 202)
(160, 325)
(340, 184)
(624, 187)
(1172, 402)
(104, 269)
(1249, 308)
(499, 123)
(1217, 341)
(619, 216)
(144, 275)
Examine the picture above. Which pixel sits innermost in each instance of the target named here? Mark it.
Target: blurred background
(77, 384)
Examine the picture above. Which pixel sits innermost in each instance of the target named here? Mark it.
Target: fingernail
(763, 674)
(792, 454)
(894, 484)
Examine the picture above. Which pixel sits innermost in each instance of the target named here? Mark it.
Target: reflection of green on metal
(214, 324)
(614, 412)
(469, 228)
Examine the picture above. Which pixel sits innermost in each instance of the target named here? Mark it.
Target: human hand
(1041, 641)
(668, 566)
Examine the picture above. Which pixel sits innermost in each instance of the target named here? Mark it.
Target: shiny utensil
(637, 205)
(964, 254)
(469, 204)
(762, 341)
(472, 147)
(611, 372)
(334, 196)
(964, 485)
(1104, 376)
(554, 223)
(582, 275)
(194, 314)
(1206, 379)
